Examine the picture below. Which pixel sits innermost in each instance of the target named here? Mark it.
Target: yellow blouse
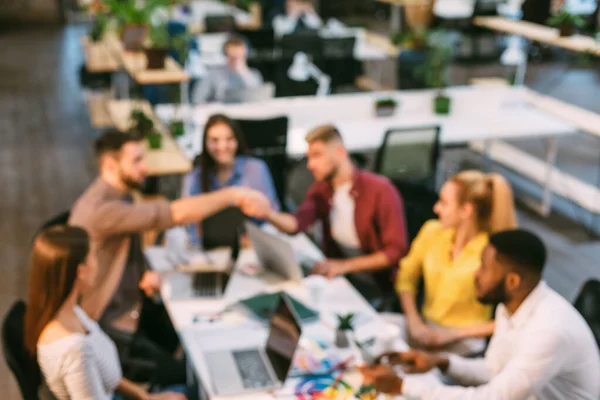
(450, 298)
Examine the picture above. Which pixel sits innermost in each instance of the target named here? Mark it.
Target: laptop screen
(284, 335)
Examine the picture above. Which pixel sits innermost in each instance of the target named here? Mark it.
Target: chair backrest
(258, 39)
(588, 305)
(409, 154)
(339, 47)
(418, 201)
(307, 42)
(267, 140)
(22, 365)
(250, 95)
(219, 23)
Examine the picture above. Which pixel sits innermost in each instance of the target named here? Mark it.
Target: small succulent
(386, 103)
(142, 125)
(345, 321)
(565, 17)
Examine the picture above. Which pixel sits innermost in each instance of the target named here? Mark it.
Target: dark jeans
(148, 355)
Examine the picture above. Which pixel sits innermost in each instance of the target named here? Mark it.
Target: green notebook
(263, 306)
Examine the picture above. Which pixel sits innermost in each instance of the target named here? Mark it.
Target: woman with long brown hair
(225, 162)
(446, 254)
(77, 359)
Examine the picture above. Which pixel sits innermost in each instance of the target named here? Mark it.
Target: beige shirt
(112, 221)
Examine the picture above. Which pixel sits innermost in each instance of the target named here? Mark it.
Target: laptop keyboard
(252, 369)
(205, 285)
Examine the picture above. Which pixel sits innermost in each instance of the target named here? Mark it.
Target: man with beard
(107, 212)
(362, 216)
(541, 349)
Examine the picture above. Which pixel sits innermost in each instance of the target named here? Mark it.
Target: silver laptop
(245, 370)
(277, 255)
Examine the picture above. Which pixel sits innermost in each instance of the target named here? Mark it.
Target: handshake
(252, 202)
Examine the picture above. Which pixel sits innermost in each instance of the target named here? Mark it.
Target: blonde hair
(325, 134)
(492, 198)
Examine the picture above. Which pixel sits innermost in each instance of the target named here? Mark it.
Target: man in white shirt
(300, 14)
(235, 75)
(542, 348)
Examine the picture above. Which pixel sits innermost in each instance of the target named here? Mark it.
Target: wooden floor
(45, 157)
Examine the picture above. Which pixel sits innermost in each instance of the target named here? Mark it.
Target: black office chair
(309, 43)
(588, 305)
(23, 366)
(267, 140)
(219, 23)
(410, 155)
(258, 40)
(59, 219)
(339, 47)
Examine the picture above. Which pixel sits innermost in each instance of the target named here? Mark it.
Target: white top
(341, 217)
(284, 24)
(545, 351)
(81, 367)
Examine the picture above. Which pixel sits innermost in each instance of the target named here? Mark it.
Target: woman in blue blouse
(224, 163)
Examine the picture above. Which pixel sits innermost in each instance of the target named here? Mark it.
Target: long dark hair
(57, 253)
(206, 162)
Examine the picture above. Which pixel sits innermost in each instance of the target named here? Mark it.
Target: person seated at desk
(446, 254)
(364, 232)
(235, 75)
(542, 348)
(77, 359)
(224, 163)
(107, 212)
(300, 16)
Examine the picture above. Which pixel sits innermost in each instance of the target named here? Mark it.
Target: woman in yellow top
(446, 253)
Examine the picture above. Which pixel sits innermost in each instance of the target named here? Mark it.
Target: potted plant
(412, 56)
(366, 392)
(134, 19)
(385, 107)
(144, 126)
(158, 47)
(343, 336)
(99, 27)
(177, 129)
(435, 70)
(566, 22)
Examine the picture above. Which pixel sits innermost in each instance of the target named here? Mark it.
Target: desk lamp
(302, 69)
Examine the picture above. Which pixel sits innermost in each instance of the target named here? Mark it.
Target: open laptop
(277, 254)
(244, 370)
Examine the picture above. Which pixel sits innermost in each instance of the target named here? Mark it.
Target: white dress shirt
(285, 25)
(544, 351)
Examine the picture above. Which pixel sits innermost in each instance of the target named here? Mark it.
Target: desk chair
(219, 23)
(588, 305)
(250, 95)
(267, 140)
(308, 42)
(258, 40)
(24, 368)
(410, 154)
(409, 158)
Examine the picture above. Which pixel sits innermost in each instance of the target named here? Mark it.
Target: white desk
(477, 114)
(237, 328)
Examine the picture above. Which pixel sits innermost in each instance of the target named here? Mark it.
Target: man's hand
(419, 362)
(383, 377)
(331, 268)
(252, 203)
(150, 282)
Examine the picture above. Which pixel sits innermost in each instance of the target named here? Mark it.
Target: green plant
(366, 392)
(565, 17)
(181, 46)
(159, 37)
(434, 71)
(386, 103)
(345, 321)
(128, 11)
(141, 124)
(99, 27)
(414, 39)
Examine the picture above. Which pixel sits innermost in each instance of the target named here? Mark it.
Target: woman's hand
(167, 396)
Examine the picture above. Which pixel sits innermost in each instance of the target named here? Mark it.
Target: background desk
(477, 114)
